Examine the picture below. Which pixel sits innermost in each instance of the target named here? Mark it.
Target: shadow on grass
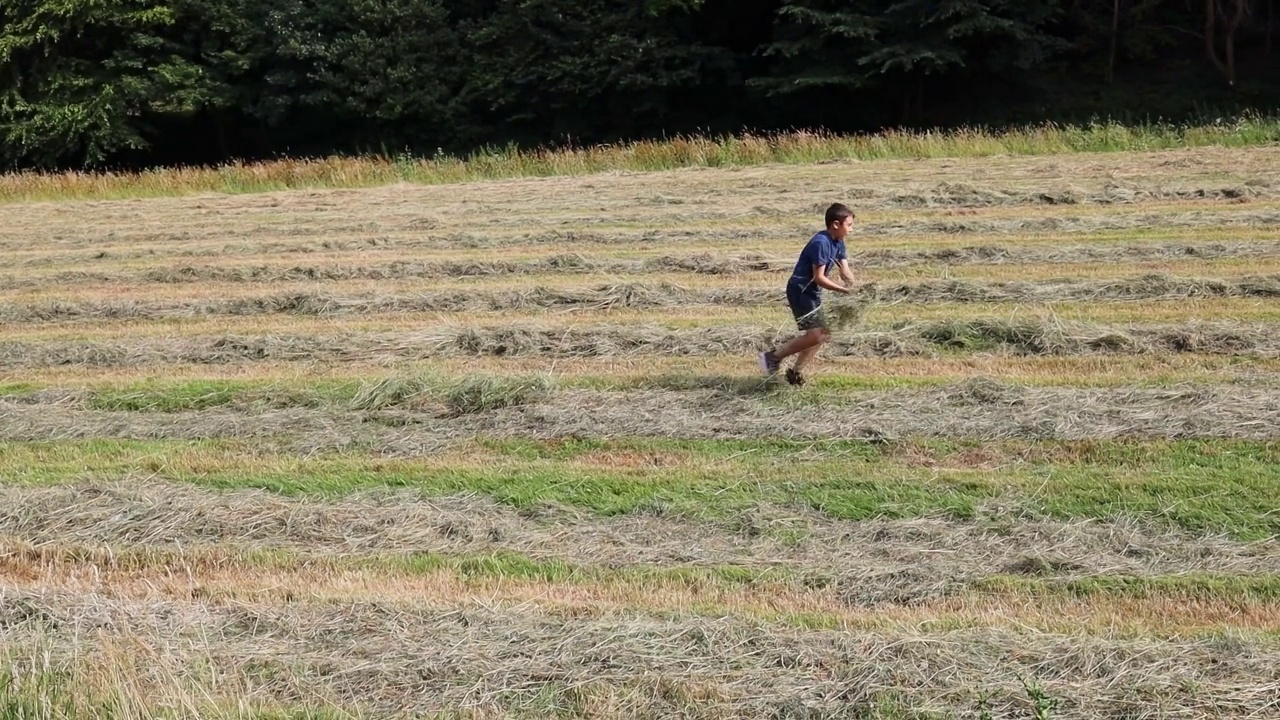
(735, 385)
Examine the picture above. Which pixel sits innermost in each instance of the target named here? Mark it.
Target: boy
(804, 294)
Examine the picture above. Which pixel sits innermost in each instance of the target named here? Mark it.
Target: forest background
(129, 84)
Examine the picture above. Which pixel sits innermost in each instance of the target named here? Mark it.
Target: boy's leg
(813, 325)
(805, 356)
(804, 344)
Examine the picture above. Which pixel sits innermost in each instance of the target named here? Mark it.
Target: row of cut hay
(679, 152)
(837, 587)
(468, 394)
(642, 295)
(657, 238)
(703, 263)
(167, 516)
(977, 410)
(390, 660)
(1029, 337)
(963, 195)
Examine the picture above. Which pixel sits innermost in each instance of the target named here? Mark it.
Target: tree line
(141, 82)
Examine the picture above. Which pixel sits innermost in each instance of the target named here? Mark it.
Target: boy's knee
(820, 334)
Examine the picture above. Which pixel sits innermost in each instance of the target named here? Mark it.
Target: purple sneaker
(769, 363)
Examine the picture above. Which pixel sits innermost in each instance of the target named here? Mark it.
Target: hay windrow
(981, 409)
(481, 393)
(459, 396)
(1022, 337)
(242, 244)
(952, 194)
(875, 554)
(702, 263)
(495, 660)
(639, 295)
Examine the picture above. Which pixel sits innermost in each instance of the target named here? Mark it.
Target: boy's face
(840, 230)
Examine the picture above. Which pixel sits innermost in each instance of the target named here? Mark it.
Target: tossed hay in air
(844, 312)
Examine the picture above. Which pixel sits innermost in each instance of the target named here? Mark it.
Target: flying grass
(845, 313)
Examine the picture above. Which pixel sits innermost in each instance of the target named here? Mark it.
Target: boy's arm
(820, 277)
(845, 273)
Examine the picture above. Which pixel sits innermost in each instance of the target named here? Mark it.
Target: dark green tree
(384, 72)
(901, 46)
(80, 79)
(543, 69)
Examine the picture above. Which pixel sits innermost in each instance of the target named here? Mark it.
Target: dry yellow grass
(774, 319)
(1092, 370)
(92, 289)
(721, 198)
(218, 577)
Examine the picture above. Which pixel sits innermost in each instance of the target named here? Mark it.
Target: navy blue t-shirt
(823, 250)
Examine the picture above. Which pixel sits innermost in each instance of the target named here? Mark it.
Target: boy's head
(839, 221)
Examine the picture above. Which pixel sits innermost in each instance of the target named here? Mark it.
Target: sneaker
(769, 363)
(794, 377)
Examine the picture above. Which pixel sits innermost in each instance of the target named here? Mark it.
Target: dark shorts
(806, 306)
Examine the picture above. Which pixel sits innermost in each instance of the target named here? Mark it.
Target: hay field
(501, 449)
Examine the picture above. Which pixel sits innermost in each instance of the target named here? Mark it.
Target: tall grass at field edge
(745, 150)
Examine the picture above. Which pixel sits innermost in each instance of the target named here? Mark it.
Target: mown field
(501, 448)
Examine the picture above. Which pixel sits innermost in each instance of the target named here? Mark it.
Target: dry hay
(1146, 287)
(480, 393)
(1029, 337)
(646, 296)
(705, 263)
(952, 194)
(468, 394)
(573, 264)
(390, 660)
(660, 238)
(1108, 222)
(393, 392)
(885, 558)
(844, 313)
(980, 409)
(949, 411)
(701, 263)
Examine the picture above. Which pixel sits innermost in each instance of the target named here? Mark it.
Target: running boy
(804, 294)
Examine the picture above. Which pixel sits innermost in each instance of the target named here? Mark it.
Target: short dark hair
(837, 213)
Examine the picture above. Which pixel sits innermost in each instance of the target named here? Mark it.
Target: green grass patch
(16, 388)
(1220, 487)
(1193, 586)
(169, 397)
(472, 393)
(681, 152)
(187, 395)
(487, 391)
